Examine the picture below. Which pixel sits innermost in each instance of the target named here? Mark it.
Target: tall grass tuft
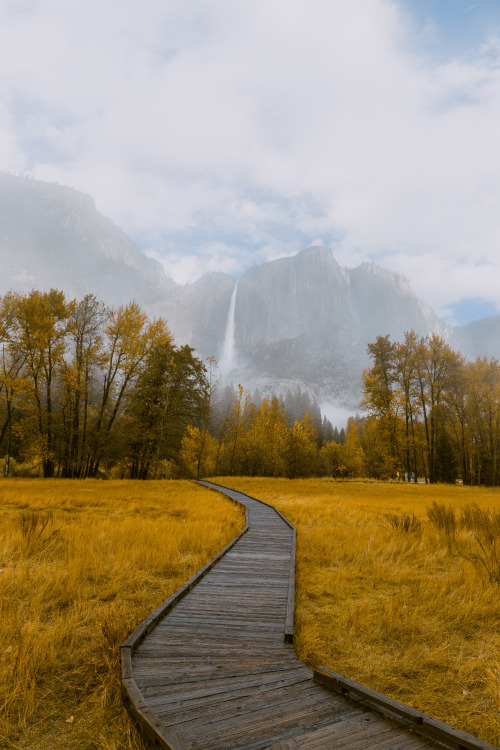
(483, 549)
(407, 522)
(37, 532)
(443, 518)
(481, 546)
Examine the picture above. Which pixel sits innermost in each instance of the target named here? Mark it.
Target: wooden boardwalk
(211, 668)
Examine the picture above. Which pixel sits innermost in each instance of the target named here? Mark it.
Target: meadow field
(384, 595)
(387, 597)
(81, 564)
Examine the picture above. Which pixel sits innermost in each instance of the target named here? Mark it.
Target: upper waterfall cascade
(228, 354)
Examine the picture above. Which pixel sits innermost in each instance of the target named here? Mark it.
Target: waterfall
(227, 359)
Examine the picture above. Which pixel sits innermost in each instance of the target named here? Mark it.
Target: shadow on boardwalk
(213, 666)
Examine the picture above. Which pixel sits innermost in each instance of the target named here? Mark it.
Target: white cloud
(446, 281)
(221, 134)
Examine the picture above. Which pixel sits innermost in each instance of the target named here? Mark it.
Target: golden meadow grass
(81, 564)
(398, 611)
(394, 610)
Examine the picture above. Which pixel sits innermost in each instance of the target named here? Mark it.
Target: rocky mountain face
(53, 236)
(298, 321)
(197, 313)
(319, 319)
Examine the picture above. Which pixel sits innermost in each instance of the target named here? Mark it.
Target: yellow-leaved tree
(301, 450)
(265, 439)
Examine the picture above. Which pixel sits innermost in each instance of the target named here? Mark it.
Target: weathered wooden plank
(355, 733)
(222, 690)
(152, 620)
(259, 707)
(248, 729)
(421, 723)
(149, 722)
(126, 661)
(200, 674)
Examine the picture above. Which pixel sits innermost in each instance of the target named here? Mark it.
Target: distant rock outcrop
(197, 313)
(53, 236)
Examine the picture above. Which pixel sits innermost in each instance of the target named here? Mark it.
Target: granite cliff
(53, 236)
(300, 320)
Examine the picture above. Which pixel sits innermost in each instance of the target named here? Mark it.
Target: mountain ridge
(301, 319)
(46, 222)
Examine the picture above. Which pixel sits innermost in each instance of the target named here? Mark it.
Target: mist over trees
(253, 435)
(92, 391)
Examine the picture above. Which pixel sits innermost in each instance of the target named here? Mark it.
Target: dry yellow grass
(81, 564)
(398, 611)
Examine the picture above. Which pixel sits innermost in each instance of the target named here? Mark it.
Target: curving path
(211, 668)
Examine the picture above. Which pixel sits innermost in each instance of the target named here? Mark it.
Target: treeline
(85, 387)
(89, 391)
(297, 404)
(431, 412)
(92, 391)
(254, 437)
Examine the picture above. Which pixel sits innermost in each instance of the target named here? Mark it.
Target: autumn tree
(301, 448)
(348, 460)
(12, 382)
(432, 398)
(209, 395)
(378, 460)
(332, 460)
(380, 398)
(84, 388)
(129, 338)
(81, 372)
(265, 439)
(436, 364)
(233, 430)
(481, 432)
(352, 452)
(167, 396)
(407, 392)
(36, 337)
(198, 455)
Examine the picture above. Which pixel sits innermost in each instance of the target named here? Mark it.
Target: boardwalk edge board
(291, 593)
(149, 723)
(147, 625)
(134, 701)
(424, 725)
(288, 633)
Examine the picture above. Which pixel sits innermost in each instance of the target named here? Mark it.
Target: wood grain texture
(213, 666)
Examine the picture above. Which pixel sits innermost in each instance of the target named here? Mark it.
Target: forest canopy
(92, 391)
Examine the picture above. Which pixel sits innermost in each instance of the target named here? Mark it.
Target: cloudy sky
(223, 133)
